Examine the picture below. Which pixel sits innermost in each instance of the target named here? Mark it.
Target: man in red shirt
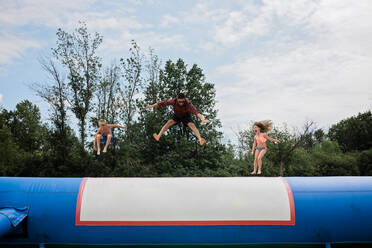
(183, 109)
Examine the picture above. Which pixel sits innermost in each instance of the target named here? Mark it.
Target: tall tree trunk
(82, 133)
(281, 168)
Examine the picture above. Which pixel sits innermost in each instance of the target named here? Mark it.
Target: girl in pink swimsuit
(261, 128)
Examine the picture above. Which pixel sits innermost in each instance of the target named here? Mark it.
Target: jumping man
(183, 109)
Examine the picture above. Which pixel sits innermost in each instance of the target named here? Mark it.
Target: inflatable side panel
(184, 201)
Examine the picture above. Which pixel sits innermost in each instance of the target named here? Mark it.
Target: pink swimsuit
(261, 139)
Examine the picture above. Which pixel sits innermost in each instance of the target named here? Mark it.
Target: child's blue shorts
(105, 139)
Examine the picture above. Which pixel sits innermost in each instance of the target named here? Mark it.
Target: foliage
(330, 161)
(77, 52)
(365, 163)
(354, 133)
(178, 150)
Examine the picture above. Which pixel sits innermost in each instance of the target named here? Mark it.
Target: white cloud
(168, 20)
(145, 40)
(238, 25)
(104, 17)
(205, 12)
(39, 12)
(308, 82)
(1, 97)
(104, 21)
(13, 47)
(325, 77)
(118, 44)
(66, 14)
(259, 20)
(343, 25)
(163, 41)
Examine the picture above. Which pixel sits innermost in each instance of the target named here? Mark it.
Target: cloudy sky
(289, 61)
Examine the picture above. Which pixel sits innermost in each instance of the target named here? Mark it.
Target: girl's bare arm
(271, 139)
(254, 144)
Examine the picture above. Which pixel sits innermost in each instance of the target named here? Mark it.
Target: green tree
(25, 124)
(319, 135)
(178, 152)
(133, 82)
(108, 95)
(26, 139)
(301, 164)
(55, 93)
(10, 153)
(131, 85)
(354, 133)
(331, 161)
(365, 163)
(78, 52)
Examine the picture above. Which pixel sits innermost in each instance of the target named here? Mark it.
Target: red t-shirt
(179, 110)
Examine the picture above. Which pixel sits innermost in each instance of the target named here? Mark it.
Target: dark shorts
(184, 119)
(261, 148)
(105, 139)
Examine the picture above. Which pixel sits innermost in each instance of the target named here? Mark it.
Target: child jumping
(261, 128)
(103, 135)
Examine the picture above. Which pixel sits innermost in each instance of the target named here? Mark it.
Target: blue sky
(289, 61)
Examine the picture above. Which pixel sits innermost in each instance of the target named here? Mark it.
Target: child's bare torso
(104, 131)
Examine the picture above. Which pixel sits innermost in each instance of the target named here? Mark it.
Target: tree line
(80, 90)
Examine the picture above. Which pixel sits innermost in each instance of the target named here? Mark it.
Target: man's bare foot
(253, 173)
(104, 149)
(98, 152)
(202, 141)
(259, 172)
(156, 137)
(94, 148)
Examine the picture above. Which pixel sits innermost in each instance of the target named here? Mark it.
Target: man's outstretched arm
(152, 106)
(195, 112)
(161, 104)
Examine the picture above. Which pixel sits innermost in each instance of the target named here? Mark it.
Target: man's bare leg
(196, 132)
(164, 128)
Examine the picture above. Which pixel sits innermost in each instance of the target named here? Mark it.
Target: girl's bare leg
(255, 162)
(196, 132)
(164, 128)
(260, 156)
(107, 142)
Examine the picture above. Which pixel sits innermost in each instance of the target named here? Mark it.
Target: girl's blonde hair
(102, 122)
(265, 125)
